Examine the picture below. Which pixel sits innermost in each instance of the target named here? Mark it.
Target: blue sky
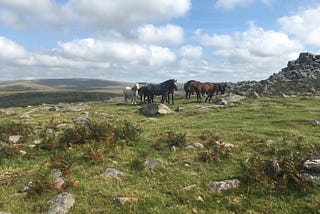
(143, 40)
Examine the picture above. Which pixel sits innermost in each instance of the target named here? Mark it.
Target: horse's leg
(172, 98)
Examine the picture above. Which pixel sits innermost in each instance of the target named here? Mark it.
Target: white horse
(131, 93)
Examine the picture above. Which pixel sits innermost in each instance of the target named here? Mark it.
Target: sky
(152, 41)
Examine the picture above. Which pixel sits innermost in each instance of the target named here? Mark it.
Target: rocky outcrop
(301, 76)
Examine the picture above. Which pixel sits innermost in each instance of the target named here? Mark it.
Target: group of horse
(207, 89)
(149, 91)
(167, 89)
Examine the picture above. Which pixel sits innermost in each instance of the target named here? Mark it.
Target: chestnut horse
(203, 88)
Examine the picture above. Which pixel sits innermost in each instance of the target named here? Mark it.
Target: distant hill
(76, 84)
(35, 92)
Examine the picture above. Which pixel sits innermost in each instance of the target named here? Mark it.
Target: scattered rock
(173, 148)
(195, 145)
(79, 107)
(312, 177)
(312, 164)
(150, 165)
(124, 199)
(154, 108)
(316, 122)
(3, 143)
(219, 186)
(61, 203)
(190, 187)
(26, 187)
(112, 173)
(10, 113)
(178, 109)
(22, 152)
(26, 116)
(14, 138)
(58, 178)
(83, 119)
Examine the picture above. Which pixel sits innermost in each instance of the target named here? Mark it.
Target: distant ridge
(73, 84)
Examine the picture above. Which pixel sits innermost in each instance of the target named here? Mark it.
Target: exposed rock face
(299, 77)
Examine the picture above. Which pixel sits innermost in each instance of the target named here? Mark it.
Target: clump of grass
(8, 128)
(170, 139)
(109, 134)
(278, 167)
(215, 150)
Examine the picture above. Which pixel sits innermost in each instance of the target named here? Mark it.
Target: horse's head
(135, 87)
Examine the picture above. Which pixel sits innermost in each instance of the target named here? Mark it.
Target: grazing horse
(164, 89)
(131, 93)
(220, 88)
(188, 88)
(203, 88)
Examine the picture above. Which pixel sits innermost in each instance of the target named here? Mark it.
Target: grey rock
(10, 113)
(312, 164)
(150, 165)
(190, 187)
(220, 186)
(112, 173)
(124, 199)
(14, 138)
(154, 108)
(83, 119)
(58, 178)
(61, 204)
(26, 187)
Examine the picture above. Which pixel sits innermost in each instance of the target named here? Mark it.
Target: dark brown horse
(189, 88)
(219, 88)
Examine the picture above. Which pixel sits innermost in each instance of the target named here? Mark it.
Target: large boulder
(154, 108)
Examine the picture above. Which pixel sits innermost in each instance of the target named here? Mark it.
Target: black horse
(164, 89)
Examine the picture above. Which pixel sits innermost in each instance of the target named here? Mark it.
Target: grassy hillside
(117, 136)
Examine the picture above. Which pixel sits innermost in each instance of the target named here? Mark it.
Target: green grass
(247, 125)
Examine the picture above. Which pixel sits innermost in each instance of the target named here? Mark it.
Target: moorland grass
(248, 125)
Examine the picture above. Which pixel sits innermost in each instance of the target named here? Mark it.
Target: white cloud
(167, 34)
(118, 51)
(305, 25)
(230, 4)
(190, 51)
(118, 14)
(217, 41)
(10, 50)
(254, 51)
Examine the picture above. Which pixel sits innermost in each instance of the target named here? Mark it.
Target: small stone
(150, 165)
(220, 186)
(124, 199)
(14, 138)
(190, 187)
(112, 173)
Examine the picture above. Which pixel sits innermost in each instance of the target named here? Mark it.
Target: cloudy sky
(144, 40)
